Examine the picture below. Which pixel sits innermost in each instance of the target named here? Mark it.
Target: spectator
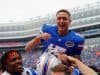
(11, 63)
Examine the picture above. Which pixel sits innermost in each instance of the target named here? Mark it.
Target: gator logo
(69, 44)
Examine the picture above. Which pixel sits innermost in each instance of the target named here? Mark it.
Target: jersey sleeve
(79, 46)
(45, 28)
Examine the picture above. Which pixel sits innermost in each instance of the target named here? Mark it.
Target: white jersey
(46, 62)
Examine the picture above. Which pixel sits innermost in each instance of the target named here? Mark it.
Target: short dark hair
(63, 10)
(5, 57)
(60, 68)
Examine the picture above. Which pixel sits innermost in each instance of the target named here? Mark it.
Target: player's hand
(44, 36)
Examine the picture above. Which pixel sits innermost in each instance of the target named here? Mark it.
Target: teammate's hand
(65, 58)
(62, 57)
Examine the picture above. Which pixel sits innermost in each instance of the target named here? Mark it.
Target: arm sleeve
(79, 46)
(45, 28)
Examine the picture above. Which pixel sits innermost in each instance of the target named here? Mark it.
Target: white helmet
(46, 62)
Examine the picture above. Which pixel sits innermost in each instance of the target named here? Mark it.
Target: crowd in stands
(30, 58)
(90, 57)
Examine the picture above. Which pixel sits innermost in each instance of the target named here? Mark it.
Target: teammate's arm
(85, 70)
(77, 56)
(31, 44)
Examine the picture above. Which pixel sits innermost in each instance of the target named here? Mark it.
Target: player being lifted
(59, 36)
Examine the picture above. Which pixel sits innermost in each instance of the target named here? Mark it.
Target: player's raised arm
(36, 41)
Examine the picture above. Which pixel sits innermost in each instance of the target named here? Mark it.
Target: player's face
(14, 63)
(63, 22)
(58, 73)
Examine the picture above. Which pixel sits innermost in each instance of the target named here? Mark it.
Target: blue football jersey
(71, 44)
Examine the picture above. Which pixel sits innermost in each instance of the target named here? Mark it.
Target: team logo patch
(69, 44)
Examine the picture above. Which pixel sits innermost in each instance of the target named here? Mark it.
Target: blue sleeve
(79, 46)
(33, 72)
(46, 28)
(76, 72)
